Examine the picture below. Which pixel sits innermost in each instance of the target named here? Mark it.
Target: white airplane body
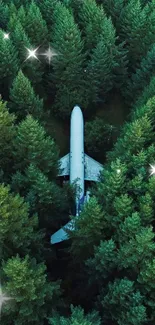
(79, 166)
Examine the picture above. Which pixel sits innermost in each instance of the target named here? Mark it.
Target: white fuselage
(77, 154)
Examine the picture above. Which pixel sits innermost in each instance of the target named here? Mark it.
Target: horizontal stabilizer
(64, 165)
(92, 169)
(61, 234)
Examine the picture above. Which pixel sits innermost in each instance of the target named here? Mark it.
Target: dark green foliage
(35, 26)
(95, 24)
(8, 61)
(47, 9)
(133, 28)
(32, 145)
(104, 48)
(23, 99)
(17, 230)
(7, 133)
(68, 64)
(77, 318)
(33, 296)
(4, 14)
(141, 78)
(98, 135)
(88, 230)
(124, 303)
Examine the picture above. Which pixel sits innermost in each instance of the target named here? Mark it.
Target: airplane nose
(76, 109)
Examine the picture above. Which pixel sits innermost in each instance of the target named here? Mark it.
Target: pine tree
(77, 317)
(133, 28)
(35, 26)
(7, 134)
(68, 71)
(23, 99)
(47, 8)
(100, 71)
(4, 14)
(147, 94)
(113, 9)
(141, 78)
(9, 61)
(21, 41)
(26, 282)
(88, 230)
(95, 24)
(12, 8)
(32, 145)
(98, 134)
(12, 22)
(18, 231)
(21, 16)
(43, 195)
(124, 303)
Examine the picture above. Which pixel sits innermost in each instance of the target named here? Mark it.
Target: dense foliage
(105, 273)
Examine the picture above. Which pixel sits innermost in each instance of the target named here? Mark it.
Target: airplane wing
(92, 169)
(64, 165)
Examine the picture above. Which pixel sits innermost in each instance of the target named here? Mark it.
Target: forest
(100, 55)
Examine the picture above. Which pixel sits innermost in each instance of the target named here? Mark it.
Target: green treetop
(34, 297)
(68, 71)
(8, 59)
(77, 318)
(18, 232)
(35, 26)
(32, 145)
(7, 133)
(23, 99)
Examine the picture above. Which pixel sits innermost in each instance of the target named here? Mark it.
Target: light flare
(152, 169)
(6, 35)
(49, 54)
(3, 299)
(32, 54)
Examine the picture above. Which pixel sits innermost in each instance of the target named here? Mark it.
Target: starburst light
(152, 170)
(6, 35)
(32, 53)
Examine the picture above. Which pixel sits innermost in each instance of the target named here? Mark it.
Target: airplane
(80, 167)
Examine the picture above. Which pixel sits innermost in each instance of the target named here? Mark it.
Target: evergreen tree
(124, 303)
(12, 8)
(23, 99)
(32, 145)
(43, 195)
(68, 71)
(88, 230)
(7, 133)
(20, 40)
(77, 317)
(35, 26)
(4, 14)
(133, 28)
(18, 232)
(47, 9)
(12, 22)
(114, 8)
(141, 78)
(9, 62)
(145, 96)
(21, 16)
(100, 71)
(98, 134)
(95, 24)
(33, 296)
